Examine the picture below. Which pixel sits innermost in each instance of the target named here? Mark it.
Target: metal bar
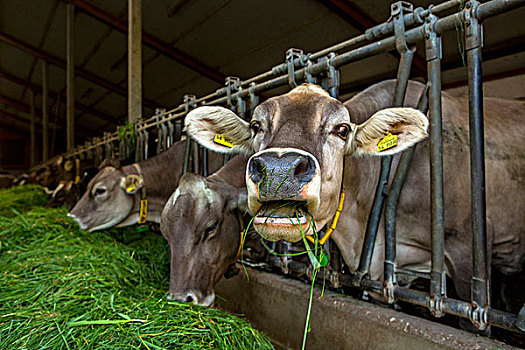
(358, 18)
(196, 157)
(373, 222)
(187, 155)
(411, 272)
(450, 306)
(45, 116)
(70, 77)
(134, 60)
(412, 36)
(155, 43)
(205, 167)
(403, 74)
(378, 31)
(437, 274)
(32, 135)
(480, 277)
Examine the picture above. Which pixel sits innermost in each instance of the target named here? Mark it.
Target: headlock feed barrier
(401, 32)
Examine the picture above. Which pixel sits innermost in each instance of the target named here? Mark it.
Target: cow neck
(337, 213)
(143, 211)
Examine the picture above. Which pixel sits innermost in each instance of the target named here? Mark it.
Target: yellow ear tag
(387, 142)
(143, 211)
(219, 138)
(130, 187)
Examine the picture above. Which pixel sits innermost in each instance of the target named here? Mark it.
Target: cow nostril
(303, 169)
(189, 299)
(300, 169)
(257, 170)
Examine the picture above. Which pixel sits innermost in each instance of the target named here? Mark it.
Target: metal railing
(406, 27)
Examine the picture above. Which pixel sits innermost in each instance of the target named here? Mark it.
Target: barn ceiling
(190, 46)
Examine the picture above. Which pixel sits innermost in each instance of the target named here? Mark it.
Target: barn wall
(14, 150)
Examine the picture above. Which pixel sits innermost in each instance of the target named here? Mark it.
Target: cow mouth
(278, 220)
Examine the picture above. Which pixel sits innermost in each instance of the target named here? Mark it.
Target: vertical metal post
(189, 103)
(389, 281)
(196, 157)
(134, 60)
(437, 274)
(178, 131)
(205, 170)
(480, 276)
(70, 77)
(32, 136)
(405, 63)
(45, 115)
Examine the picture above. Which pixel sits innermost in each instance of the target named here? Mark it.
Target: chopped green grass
(21, 198)
(62, 288)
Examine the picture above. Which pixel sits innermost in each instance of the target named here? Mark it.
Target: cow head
(200, 222)
(68, 193)
(109, 198)
(299, 141)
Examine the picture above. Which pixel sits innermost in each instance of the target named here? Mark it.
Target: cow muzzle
(283, 192)
(191, 297)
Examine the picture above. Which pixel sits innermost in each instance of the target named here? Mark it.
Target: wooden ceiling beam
(37, 89)
(26, 110)
(20, 44)
(152, 41)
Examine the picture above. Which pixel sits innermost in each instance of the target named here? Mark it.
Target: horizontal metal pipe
(450, 306)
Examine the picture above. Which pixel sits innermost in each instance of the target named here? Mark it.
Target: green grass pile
(62, 288)
(21, 198)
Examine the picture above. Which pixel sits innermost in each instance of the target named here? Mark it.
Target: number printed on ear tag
(387, 142)
(219, 138)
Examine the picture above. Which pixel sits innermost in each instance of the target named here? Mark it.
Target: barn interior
(190, 47)
(75, 71)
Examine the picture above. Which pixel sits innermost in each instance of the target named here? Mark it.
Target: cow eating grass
(202, 224)
(113, 196)
(306, 147)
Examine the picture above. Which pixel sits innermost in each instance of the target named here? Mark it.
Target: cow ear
(389, 131)
(239, 200)
(131, 183)
(219, 130)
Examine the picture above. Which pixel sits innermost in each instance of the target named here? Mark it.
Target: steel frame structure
(406, 27)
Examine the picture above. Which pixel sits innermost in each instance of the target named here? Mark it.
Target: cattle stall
(407, 27)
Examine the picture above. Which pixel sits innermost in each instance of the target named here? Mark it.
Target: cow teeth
(261, 220)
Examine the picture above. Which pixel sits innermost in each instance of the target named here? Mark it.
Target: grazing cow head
(69, 193)
(109, 198)
(299, 141)
(201, 223)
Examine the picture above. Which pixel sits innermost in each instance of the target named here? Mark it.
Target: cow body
(505, 167)
(297, 131)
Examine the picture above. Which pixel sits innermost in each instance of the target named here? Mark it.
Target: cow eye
(343, 130)
(255, 126)
(210, 230)
(99, 191)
